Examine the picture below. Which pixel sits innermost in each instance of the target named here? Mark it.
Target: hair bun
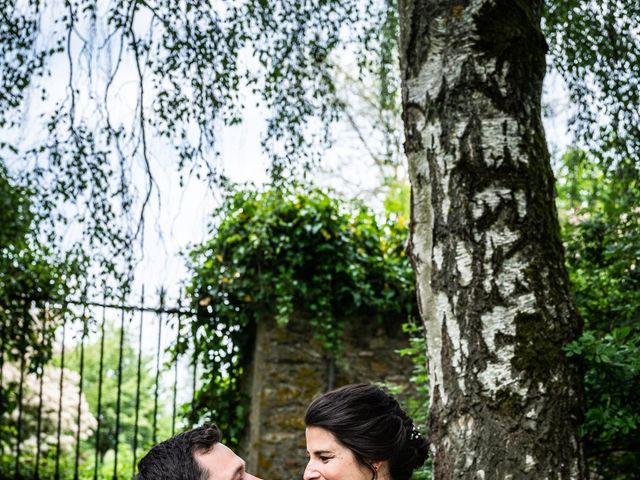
(419, 446)
(412, 453)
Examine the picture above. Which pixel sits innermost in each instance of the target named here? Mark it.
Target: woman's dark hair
(370, 423)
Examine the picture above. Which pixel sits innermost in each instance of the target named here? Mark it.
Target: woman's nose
(310, 472)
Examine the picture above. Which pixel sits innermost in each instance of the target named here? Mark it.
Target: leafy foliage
(48, 463)
(34, 281)
(283, 251)
(30, 269)
(596, 48)
(601, 226)
(175, 69)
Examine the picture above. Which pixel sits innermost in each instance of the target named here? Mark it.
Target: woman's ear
(380, 469)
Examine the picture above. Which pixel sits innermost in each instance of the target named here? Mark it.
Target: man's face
(223, 464)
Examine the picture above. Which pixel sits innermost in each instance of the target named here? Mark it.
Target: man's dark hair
(174, 459)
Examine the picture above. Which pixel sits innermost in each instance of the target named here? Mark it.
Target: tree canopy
(114, 86)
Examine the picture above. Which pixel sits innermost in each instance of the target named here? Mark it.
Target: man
(193, 455)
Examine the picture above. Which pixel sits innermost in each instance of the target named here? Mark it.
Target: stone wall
(289, 369)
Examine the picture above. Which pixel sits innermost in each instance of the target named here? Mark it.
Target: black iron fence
(109, 387)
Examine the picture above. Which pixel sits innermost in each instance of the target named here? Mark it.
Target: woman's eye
(325, 459)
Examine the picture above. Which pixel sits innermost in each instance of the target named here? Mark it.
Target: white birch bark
(493, 291)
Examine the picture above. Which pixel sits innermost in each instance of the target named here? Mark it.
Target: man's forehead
(221, 462)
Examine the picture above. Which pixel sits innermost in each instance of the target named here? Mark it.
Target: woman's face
(330, 460)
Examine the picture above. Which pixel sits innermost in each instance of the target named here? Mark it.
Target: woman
(359, 432)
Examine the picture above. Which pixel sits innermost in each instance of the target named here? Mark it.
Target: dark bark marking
(537, 354)
(418, 45)
(413, 138)
(507, 31)
(508, 404)
(415, 35)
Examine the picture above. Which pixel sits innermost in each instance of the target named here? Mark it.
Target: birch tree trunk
(485, 242)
